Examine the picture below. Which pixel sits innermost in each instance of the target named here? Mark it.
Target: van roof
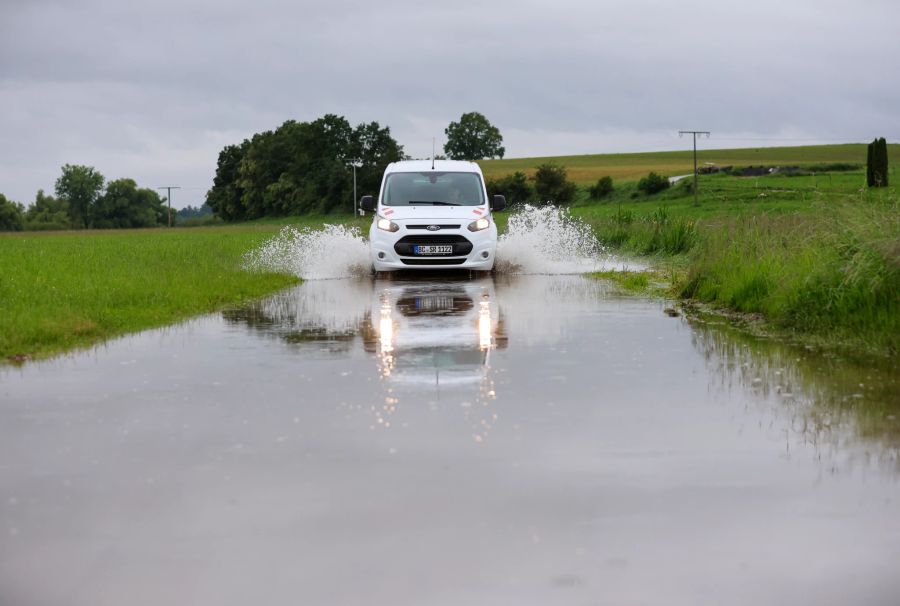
(415, 166)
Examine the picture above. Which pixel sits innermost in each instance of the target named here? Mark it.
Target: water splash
(549, 240)
(538, 240)
(335, 251)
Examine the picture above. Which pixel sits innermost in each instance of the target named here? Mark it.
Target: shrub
(602, 188)
(832, 167)
(551, 184)
(200, 221)
(47, 213)
(515, 187)
(653, 183)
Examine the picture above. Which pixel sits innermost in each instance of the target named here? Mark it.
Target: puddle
(513, 439)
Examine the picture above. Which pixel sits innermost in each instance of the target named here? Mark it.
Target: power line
(169, 189)
(694, 133)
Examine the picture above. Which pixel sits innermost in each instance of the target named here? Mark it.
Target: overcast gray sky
(153, 90)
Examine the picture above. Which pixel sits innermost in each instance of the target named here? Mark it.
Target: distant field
(587, 169)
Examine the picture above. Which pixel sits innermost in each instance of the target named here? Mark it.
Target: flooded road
(507, 440)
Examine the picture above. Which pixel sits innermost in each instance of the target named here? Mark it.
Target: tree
(80, 186)
(124, 205)
(47, 213)
(190, 216)
(373, 148)
(300, 167)
(870, 164)
(877, 163)
(551, 184)
(10, 215)
(473, 138)
(226, 196)
(191, 212)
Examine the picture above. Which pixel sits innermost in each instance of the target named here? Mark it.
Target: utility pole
(355, 164)
(169, 189)
(694, 133)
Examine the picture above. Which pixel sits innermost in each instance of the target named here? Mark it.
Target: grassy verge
(821, 263)
(70, 289)
(835, 273)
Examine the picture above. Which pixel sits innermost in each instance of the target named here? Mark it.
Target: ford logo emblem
(433, 227)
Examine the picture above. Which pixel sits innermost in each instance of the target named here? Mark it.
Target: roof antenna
(432, 153)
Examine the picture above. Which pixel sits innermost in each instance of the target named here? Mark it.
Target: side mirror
(498, 203)
(367, 203)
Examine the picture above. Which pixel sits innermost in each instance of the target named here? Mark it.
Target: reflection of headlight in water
(386, 336)
(386, 328)
(484, 325)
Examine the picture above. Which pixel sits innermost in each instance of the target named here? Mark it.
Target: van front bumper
(392, 251)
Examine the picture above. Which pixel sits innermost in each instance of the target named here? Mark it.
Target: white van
(432, 215)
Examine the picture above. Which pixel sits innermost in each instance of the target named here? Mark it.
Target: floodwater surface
(505, 440)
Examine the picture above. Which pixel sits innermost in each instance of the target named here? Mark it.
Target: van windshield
(433, 188)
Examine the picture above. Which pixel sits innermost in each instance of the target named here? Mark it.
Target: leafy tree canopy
(473, 138)
(80, 186)
(10, 215)
(300, 167)
(515, 187)
(124, 205)
(47, 213)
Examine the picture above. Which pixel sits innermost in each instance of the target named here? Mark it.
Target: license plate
(433, 249)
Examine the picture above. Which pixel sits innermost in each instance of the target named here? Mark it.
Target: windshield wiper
(434, 202)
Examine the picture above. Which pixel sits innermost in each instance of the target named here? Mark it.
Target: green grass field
(586, 169)
(64, 290)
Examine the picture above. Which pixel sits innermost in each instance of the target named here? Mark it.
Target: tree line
(84, 200)
(297, 168)
(307, 167)
(301, 167)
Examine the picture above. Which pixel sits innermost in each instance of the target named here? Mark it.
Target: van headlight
(479, 224)
(387, 224)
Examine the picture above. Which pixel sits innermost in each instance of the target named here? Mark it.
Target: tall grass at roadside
(835, 272)
(647, 233)
(59, 291)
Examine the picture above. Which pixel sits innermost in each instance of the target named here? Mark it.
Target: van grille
(439, 225)
(461, 246)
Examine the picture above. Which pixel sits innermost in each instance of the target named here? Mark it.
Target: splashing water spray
(538, 240)
(335, 251)
(547, 240)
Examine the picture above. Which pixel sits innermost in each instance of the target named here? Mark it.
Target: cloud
(154, 91)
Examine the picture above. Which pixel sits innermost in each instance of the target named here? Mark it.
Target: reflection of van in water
(432, 215)
(440, 334)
